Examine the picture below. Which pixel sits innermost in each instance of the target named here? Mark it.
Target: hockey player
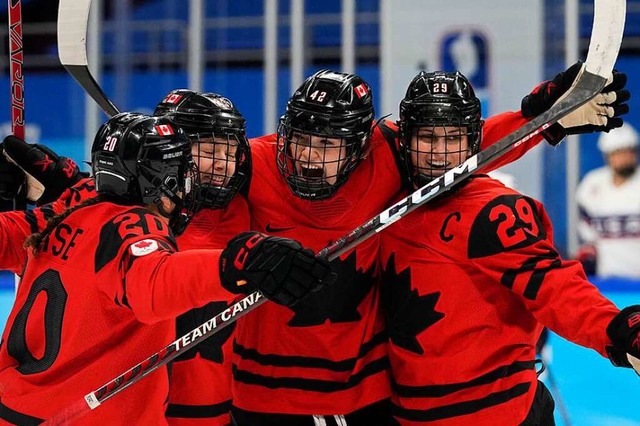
(609, 202)
(200, 387)
(103, 281)
(471, 278)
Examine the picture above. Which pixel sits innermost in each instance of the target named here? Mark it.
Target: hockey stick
(545, 355)
(73, 19)
(603, 49)
(16, 76)
(15, 68)
(562, 408)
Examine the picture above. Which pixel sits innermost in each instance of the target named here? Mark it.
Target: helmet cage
(292, 139)
(228, 152)
(425, 114)
(327, 105)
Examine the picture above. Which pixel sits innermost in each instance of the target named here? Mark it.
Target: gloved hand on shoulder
(280, 268)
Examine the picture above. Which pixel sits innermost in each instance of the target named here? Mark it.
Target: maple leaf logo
(143, 244)
(408, 313)
(44, 163)
(211, 348)
(337, 303)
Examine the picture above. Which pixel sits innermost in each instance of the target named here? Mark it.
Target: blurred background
(257, 52)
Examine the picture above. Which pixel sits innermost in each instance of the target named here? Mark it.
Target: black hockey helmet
(331, 105)
(205, 118)
(136, 159)
(438, 99)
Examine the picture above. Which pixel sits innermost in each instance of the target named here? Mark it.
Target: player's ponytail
(35, 240)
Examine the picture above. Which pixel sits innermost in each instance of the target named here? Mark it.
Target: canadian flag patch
(361, 90)
(164, 130)
(144, 247)
(173, 99)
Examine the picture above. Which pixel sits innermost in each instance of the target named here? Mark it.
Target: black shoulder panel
(506, 223)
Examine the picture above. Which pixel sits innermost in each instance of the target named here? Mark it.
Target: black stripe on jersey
(537, 274)
(310, 362)
(443, 390)
(32, 220)
(198, 411)
(315, 385)
(461, 408)
(17, 418)
(47, 211)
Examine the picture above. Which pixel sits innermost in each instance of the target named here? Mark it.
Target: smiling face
(434, 150)
(216, 159)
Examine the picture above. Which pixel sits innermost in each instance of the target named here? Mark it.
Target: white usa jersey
(610, 220)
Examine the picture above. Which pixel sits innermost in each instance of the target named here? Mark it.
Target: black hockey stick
(603, 49)
(73, 20)
(562, 407)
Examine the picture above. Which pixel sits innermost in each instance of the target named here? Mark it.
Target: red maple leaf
(143, 244)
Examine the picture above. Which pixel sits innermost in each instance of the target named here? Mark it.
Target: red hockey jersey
(200, 388)
(16, 226)
(101, 295)
(328, 355)
(469, 282)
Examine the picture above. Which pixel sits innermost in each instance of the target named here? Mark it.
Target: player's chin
(432, 173)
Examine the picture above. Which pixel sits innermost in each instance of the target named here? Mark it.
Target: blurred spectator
(609, 203)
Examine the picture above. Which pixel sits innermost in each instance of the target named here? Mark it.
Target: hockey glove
(280, 268)
(11, 179)
(624, 332)
(48, 175)
(600, 114)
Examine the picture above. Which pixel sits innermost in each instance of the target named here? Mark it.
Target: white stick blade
(73, 16)
(606, 36)
(635, 363)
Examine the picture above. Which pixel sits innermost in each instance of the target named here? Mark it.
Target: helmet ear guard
(327, 105)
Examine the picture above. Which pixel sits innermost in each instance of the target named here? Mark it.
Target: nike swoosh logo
(271, 229)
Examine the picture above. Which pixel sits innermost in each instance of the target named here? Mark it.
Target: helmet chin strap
(176, 219)
(161, 210)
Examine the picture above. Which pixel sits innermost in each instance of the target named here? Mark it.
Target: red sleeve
(164, 285)
(16, 226)
(511, 241)
(499, 126)
(156, 283)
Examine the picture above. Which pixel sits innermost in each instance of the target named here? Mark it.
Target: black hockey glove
(600, 114)
(11, 179)
(48, 175)
(624, 332)
(280, 268)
